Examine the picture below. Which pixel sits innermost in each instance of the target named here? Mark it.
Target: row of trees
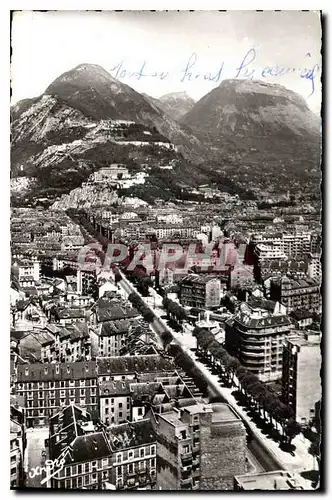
(184, 361)
(174, 311)
(139, 304)
(258, 396)
(148, 316)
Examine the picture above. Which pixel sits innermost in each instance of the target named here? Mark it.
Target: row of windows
(123, 377)
(53, 394)
(78, 482)
(73, 470)
(35, 411)
(120, 413)
(107, 402)
(134, 467)
(44, 403)
(131, 453)
(57, 369)
(57, 384)
(63, 393)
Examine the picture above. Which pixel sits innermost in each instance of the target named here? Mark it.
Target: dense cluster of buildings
(91, 373)
(44, 234)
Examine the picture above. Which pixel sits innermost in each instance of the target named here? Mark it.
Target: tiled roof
(115, 327)
(130, 435)
(90, 447)
(195, 278)
(71, 313)
(145, 389)
(48, 371)
(114, 388)
(116, 312)
(132, 364)
(262, 303)
(78, 330)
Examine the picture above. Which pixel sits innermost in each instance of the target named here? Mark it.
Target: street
(300, 461)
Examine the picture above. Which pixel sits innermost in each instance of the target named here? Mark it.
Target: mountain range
(62, 136)
(175, 104)
(244, 116)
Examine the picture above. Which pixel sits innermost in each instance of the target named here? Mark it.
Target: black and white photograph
(165, 250)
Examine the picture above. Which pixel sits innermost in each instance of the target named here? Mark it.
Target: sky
(162, 52)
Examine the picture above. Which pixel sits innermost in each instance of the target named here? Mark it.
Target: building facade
(49, 386)
(134, 455)
(66, 345)
(297, 294)
(199, 447)
(301, 380)
(256, 336)
(295, 245)
(200, 291)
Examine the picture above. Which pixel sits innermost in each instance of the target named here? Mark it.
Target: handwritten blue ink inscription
(245, 69)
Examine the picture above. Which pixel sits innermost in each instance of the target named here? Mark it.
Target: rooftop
(90, 447)
(115, 327)
(116, 312)
(222, 412)
(195, 278)
(251, 317)
(39, 372)
(276, 480)
(305, 339)
(131, 434)
(132, 364)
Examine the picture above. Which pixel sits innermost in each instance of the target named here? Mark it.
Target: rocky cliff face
(62, 136)
(93, 91)
(257, 120)
(86, 196)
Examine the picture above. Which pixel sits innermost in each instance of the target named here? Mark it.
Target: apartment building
(134, 457)
(182, 230)
(200, 291)
(66, 344)
(301, 379)
(124, 400)
(295, 245)
(256, 337)
(199, 447)
(68, 316)
(297, 293)
(26, 268)
(277, 268)
(264, 252)
(114, 402)
(49, 386)
(315, 266)
(113, 308)
(85, 453)
(113, 336)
